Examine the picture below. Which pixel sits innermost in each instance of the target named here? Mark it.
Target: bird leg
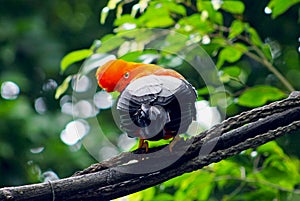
(173, 142)
(143, 144)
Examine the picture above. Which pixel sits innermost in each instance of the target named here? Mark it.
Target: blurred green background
(36, 35)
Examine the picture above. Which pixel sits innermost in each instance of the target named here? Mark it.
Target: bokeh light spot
(216, 4)
(66, 105)
(37, 150)
(253, 154)
(74, 132)
(81, 84)
(125, 142)
(40, 105)
(206, 40)
(9, 90)
(50, 85)
(268, 10)
(207, 116)
(84, 109)
(103, 100)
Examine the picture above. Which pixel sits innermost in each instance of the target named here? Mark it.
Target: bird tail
(151, 120)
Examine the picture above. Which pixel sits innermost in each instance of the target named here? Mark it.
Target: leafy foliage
(278, 7)
(259, 95)
(33, 41)
(256, 59)
(248, 176)
(74, 57)
(234, 44)
(254, 174)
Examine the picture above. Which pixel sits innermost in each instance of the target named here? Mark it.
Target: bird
(154, 103)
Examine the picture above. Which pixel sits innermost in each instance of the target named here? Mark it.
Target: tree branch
(124, 174)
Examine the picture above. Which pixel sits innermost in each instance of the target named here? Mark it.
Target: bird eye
(126, 75)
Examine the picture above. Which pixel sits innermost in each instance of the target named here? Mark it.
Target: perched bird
(154, 103)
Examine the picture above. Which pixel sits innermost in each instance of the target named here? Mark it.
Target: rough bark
(122, 174)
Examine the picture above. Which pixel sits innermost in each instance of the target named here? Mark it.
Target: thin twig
(271, 68)
(260, 59)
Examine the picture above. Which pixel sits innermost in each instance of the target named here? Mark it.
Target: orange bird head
(115, 75)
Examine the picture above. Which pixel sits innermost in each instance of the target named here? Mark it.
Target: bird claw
(143, 144)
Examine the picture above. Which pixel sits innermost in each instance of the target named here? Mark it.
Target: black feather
(154, 107)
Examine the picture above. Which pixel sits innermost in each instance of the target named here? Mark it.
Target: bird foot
(143, 144)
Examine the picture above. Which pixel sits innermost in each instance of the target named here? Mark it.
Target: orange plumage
(115, 75)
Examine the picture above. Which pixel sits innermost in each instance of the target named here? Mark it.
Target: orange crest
(115, 75)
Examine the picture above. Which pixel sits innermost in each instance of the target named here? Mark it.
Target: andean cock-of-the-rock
(154, 103)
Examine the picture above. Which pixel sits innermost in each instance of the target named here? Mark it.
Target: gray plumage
(155, 107)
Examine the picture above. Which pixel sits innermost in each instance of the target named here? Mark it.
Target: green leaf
(112, 4)
(73, 57)
(194, 23)
(109, 43)
(270, 148)
(206, 90)
(164, 21)
(95, 61)
(171, 61)
(174, 43)
(63, 87)
(218, 18)
(204, 182)
(267, 51)
(254, 37)
(218, 98)
(144, 195)
(139, 56)
(134, 10)
(236, 28)
(229, 73)
(126, 18)
(174, 7)
(263, 193)
(226, 167)
(163, 196)
(278, 7)
(156, 16)
(96, 44)
(241, 47)
(260, 95)
(279, 164)
(220, 41)
(213, 14)
(115, 94)
(104, 14)
(205, 6)
(179, 195)
(233, 71)
(235, 7)
(231, 54)
(119, 10)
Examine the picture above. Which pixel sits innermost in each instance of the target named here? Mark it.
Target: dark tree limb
(122, 174)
